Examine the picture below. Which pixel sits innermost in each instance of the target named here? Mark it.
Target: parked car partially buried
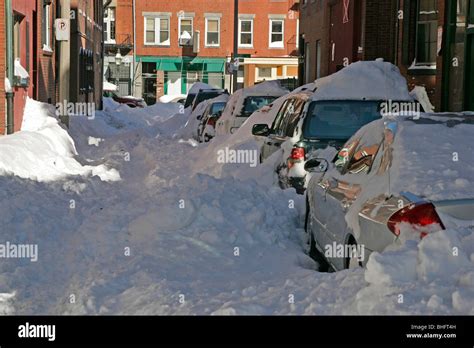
(245, 102)
(390, 182)
(207, 121)
(330, 116)
(130, 101)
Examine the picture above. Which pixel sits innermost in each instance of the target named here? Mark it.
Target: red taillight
(297, 153)
(421, 216)
(211, 122)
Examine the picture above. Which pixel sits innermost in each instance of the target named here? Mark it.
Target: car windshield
(339, 119)
(206, 96)
(252, 104)
(217, 107)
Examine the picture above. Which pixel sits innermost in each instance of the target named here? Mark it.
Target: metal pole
(9, 94)
(134, 50)
(64, 63)
(236, 42)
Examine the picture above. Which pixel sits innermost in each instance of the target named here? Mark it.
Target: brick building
(336, 33)
(118, 40)
(44, 52)
(431, 41)
(86, 56)
(24, 14)
(436, 50)
(2, 73)
(181, 42)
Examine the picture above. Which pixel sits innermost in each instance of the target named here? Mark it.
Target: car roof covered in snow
(432, 155)
(365, 80)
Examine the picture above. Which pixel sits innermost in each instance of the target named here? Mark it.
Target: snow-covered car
(130, 101)
(212, 113)
(329, 116)
(177, 98)
(396, 180)
(245, 102)
(207, 94)
(193, 91)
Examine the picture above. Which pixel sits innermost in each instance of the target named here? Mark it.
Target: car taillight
(421, 216)
(212, 122)
(297, 153)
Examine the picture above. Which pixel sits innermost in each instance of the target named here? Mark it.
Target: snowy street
(144, 221)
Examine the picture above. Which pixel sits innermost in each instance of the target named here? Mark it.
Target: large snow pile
(435, 160)
(369, 80)
(43, 151)
(168, 240)
(434, 276)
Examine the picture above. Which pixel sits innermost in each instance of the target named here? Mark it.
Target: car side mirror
(316, 165)
(261, 130)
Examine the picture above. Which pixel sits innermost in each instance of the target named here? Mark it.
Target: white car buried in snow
(245, 102)
(397, 179)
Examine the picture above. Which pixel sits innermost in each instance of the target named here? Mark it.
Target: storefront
(458, 82)
(176, 75)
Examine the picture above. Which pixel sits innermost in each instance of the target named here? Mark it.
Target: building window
(276, 33)
(427, 32)
(86, 67)
(245, 32)
(307, 63)
(46, 26)
(213, 32)
(109, 25)
(17, 36)
(185, 31)
(157, 31)
(265, 73)
(318, 59)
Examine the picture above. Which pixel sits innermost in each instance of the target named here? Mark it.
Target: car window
(217, 107)
(359, 154)
(254, 103)
(281, 112)
(281, 129)
(339, 119)
(294, 118)
(189, 100)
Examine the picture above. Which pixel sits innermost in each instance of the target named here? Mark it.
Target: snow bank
(43, 151)
(419, 93)
(109, 86)
(434, 160)
(434, 276)
(230, 245)
(367, 80)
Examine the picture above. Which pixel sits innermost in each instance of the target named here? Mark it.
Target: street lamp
(118, 58)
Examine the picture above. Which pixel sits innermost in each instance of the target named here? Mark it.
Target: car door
(273, 141)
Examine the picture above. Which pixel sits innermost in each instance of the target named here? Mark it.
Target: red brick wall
(260, 8)
(432, 83)
(26, 8)
(46, 70)
(314, 25)
(2, 71)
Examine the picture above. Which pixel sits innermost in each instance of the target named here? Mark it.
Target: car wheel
(310, 245)
(352, 261)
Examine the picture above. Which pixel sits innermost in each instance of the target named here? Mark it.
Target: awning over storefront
(186, 63)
